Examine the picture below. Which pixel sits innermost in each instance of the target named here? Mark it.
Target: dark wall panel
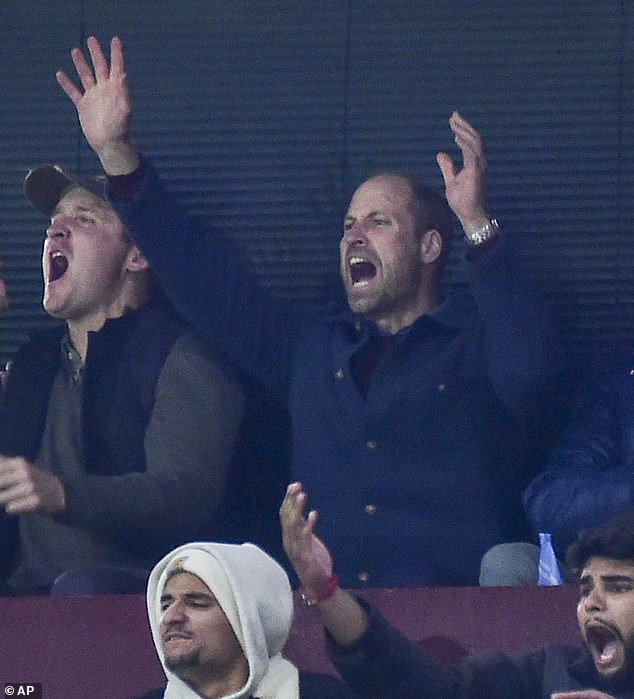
(265, 114)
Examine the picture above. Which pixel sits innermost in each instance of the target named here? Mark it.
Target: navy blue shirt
(418, 475)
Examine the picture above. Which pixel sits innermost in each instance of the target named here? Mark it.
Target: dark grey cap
(45, 185)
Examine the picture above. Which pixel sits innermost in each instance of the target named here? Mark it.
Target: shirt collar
(457, 312)
(71, 359)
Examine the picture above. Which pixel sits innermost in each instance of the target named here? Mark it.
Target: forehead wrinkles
(381, 196)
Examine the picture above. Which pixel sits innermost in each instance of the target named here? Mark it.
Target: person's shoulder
(320, 686)
(158, 314)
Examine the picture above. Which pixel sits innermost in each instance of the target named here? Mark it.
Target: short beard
(182, 662)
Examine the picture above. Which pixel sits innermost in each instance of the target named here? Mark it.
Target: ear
(431, 246)
(135, 262)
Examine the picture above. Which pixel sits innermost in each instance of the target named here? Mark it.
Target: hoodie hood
(254, 593)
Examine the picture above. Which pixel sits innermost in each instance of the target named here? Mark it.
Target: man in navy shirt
(411, 415)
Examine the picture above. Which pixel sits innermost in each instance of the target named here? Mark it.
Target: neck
(133, 297)
(78, 329)
(218, 687)
(394, 322)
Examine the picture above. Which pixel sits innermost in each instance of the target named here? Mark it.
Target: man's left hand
(465, 188)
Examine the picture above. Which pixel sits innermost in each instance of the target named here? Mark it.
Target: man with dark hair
(614, 539)
(377, 661)
(411, 415)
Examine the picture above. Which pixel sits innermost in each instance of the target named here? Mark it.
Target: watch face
(490, 230)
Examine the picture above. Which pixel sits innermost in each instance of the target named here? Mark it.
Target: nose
(355, 234)
(59, 228)
(594, 599)
(174, 613)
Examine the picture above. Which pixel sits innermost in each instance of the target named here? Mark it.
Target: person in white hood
(220, 616)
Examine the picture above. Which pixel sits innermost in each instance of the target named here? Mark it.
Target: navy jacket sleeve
(526, 360)
(208, 281)
(590, 476)
(383, 663)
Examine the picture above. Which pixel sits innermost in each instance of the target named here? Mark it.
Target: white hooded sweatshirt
(254, 593)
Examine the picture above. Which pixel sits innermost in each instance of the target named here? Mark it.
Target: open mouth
(58, 266)
(604, 644)
(361, 271)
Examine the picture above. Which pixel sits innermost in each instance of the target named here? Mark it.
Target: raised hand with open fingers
(465, 188)
(103, 104)
(307, 553)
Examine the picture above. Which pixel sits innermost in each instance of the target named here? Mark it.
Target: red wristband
(311, 598)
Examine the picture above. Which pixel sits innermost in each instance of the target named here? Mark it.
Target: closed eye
(83, 218)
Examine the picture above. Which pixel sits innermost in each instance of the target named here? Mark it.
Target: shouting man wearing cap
(220, 615)
(117, 427)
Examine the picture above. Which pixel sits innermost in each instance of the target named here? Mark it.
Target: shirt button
(340, 374)
(363, 576)
(370, 510)
(370, 444)
(441, 387)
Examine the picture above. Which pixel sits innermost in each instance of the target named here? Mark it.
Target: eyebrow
(188, 596)
(81, 208)
(608, 578)
(376, 212)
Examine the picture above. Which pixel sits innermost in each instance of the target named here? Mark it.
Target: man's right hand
(340, 612)
(306, 552)
(104, 105)
(26, 488)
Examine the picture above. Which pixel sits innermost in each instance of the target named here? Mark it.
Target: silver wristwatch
(480, 236)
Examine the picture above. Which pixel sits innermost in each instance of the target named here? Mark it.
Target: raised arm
(341, 614)
(523, 349)
(202, 275)
(372, 657)
(465, 188)
(103, 105)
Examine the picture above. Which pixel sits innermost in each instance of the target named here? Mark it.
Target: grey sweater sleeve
(188, 444)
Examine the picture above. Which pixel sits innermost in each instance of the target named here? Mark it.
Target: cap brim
(44, 185)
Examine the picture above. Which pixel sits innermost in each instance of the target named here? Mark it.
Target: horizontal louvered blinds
(264, 114)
